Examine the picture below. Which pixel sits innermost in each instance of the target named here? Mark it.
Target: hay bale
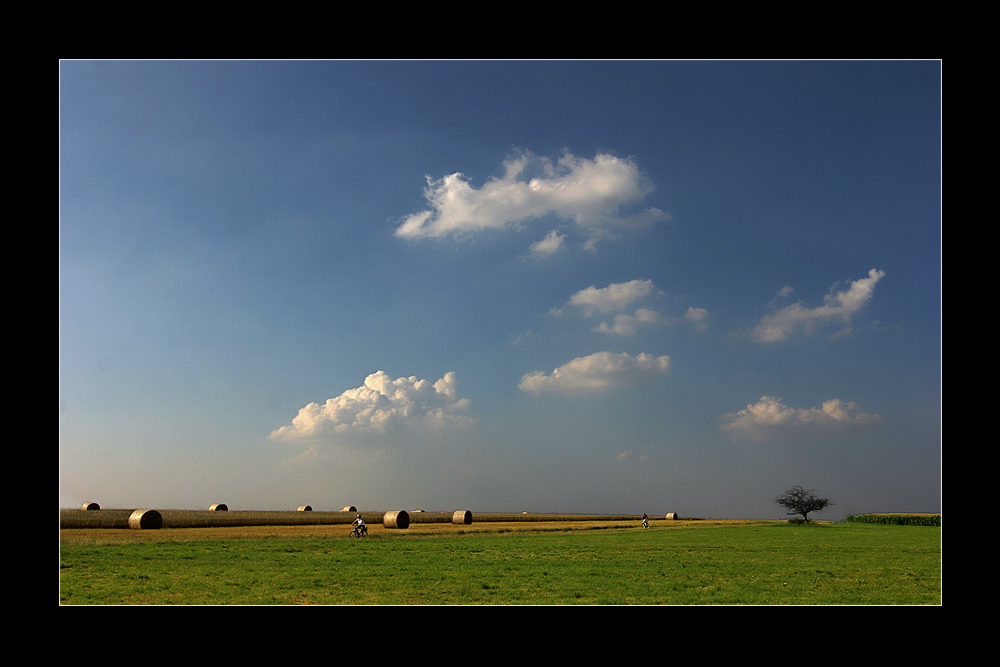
(90, 506)
(350, 508)
(305, 508)
(673, 516)
(219, 507)
(462, 517)
(396, 519)
(145, 520)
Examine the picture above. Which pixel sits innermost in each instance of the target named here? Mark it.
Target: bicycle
(359, 532)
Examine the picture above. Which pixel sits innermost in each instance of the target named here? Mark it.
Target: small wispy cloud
(838, 308)
(551, 244)
(770, 416)
(697, 317)
(612, 298)
(597, 372)
(626, 325)
(629, 456)
(617, 297)
(588, 193)
(380, 404)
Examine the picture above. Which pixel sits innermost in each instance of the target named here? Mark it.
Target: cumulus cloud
(597, 372)
(380, 404)
(612, 298)
(770, 415)
(838, 308)
(616, 297)
(588, 193)
(552, 243)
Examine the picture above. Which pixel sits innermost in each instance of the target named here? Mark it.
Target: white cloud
(589, 193)
(838, 308)
(697, 317)
(380, 404)
(597, 372)
(612, 298)
(552, 243)
(616, 296)
(626, 325)
(770, 415)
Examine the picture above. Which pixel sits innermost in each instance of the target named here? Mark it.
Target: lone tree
(799, 501)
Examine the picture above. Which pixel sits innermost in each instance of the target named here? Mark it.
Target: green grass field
(587, 563)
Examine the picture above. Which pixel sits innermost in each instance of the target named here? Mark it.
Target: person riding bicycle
(645, 520)
(359, 525)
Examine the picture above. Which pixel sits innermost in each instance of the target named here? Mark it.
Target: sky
(545, 286)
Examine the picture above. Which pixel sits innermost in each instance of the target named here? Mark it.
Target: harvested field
(377, 531)
(118, 518)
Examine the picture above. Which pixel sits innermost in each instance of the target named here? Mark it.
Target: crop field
(521, 562)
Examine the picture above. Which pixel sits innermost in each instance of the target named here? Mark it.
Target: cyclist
(359, 525)
(645, 520)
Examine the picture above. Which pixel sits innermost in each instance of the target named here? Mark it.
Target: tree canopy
(800, 501)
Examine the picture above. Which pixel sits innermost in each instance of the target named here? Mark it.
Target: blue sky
(624, 286)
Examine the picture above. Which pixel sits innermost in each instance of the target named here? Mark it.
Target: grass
(911, 519)
(571, 563)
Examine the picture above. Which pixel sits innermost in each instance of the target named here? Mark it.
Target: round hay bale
(462, 517)
(305, 508)
(90, 506)
(673, 516)
(219, 507)
(350, 508)
(145, 520)
(396, 519)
